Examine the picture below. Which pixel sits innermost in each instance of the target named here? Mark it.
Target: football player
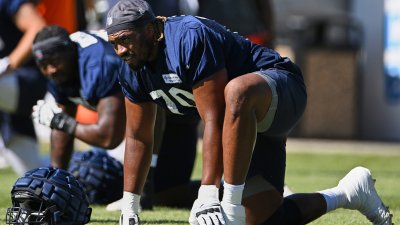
(83, 69)
(249, 98)
(21, 84)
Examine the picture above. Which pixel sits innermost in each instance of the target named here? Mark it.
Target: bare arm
(209, 98)
(139, 144)
(109, 130)
(29, 22)
(62, 143)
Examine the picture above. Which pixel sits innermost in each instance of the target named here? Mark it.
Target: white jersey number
(174, 92)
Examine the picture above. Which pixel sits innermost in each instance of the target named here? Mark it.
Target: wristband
(130, 203)
(208, 191)
(61, 121)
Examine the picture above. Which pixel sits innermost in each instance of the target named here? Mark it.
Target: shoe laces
(383, 216)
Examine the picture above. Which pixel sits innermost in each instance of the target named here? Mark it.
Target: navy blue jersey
(99, 68)
(194, 49)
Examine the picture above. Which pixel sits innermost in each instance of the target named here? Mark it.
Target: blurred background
(349, 51)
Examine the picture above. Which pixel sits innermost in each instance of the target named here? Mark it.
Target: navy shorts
(269, 156)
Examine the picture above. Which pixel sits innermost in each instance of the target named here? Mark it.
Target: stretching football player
(83, 69)
(249, 98)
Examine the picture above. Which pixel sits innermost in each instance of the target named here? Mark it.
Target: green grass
(306, 172)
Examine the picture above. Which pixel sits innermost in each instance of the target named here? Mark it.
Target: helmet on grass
(48, 196)
(100, 174)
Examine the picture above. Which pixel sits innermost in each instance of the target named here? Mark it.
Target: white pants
(9, 93)
(21, 153)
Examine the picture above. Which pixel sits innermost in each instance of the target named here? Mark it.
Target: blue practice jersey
(99, 68)
(194, 49)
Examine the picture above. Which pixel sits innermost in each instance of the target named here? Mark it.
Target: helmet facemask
(29, 209)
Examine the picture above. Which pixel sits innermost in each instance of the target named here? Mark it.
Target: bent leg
(247, 101)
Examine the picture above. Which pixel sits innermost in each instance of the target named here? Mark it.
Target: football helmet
(100, 174)
(48, 196)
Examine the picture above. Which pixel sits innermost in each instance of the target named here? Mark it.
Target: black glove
(62, 121)
(49, 114)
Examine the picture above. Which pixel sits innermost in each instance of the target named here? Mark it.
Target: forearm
(212, 154)
(61, 149)
(99, 135)
(22, 52)
(29, 22)
(136, 164)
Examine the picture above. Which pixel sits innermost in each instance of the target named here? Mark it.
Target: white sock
(154, 159)
(233, 193)
(130, 203)
(334, 198)
(208, 191)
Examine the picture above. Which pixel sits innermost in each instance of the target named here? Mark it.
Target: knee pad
(287, 214)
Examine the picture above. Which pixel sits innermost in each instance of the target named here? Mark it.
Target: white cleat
(114, 206)
(360, 192)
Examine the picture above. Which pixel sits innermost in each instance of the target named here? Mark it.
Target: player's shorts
(267, 168)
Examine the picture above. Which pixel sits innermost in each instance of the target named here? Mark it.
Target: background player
(21, 84)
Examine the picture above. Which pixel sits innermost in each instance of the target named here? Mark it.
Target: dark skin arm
(28, 20)
(107, 133)
(139, 144)
(210, 102)
(62, 143)
(109, 130)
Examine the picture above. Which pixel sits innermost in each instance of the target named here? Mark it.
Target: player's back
(240, 56)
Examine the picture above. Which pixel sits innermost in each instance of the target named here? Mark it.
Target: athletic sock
(130, 203)
(334, 198)
(233, 193)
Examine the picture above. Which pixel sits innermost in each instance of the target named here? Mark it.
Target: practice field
(307, 171)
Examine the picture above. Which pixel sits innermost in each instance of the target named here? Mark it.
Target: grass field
(306, 172)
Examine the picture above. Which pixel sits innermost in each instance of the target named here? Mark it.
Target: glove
(129, 219)
(49, 114)
(233, 214)
(4, 64)
(206, 213)
(206, 209)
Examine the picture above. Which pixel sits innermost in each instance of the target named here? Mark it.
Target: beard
(139, 64)
(137, 60)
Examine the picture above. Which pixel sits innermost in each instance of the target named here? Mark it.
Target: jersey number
(174, 92)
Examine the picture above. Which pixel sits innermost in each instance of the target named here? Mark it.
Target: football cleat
(359, 189)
